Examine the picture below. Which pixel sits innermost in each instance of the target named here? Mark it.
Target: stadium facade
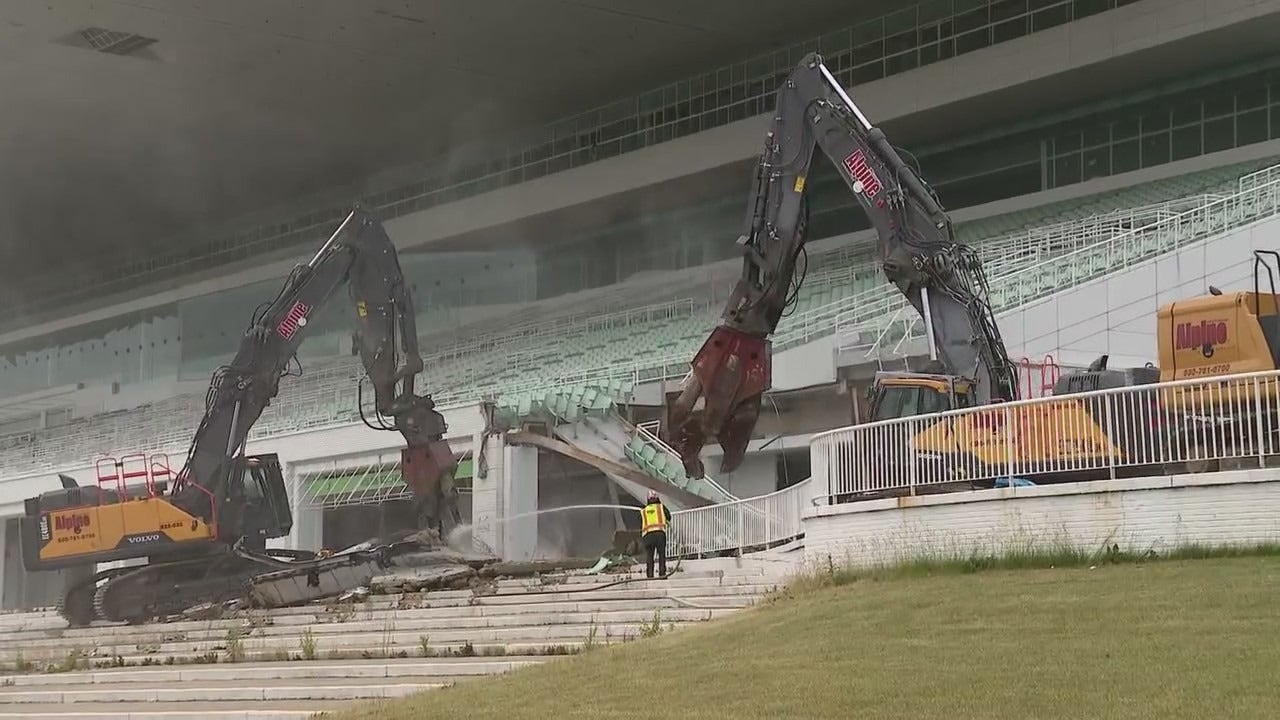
(568, 281)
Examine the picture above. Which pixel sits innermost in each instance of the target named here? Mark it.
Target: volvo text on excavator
(205, 535)
(943, 279)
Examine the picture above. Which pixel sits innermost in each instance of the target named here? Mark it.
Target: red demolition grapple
(730, 374)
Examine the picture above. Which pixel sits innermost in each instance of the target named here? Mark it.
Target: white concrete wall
(757, 475)
(813, 363)
(1116, 314)
(1157, 513)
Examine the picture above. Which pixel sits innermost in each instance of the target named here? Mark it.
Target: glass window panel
(900, 63)
(1008, 9)
(1124, 156)
(1187, 142)
(1219, 134)
(1085, 8)
(933, 10)
(1097, 162)
(1066, 169)
(1155, 149)
(1251, 127)
(1053, 16)
(900, 22)
(1009, 30)
(1124, 128)
(972, 40)
(1067, 142)
(1097, 135)
(1155, 118)
(1186, 111)
(1275, 122)
(1254, 96)
(1219, 101)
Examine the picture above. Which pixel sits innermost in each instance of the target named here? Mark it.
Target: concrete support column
(486, 495)
(520, 488)
(308, 521)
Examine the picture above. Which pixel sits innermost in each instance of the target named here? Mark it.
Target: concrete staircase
(292, 662)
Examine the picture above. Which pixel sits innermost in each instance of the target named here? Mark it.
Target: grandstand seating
(635, 331)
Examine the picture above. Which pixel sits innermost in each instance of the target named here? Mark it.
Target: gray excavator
(941, 278)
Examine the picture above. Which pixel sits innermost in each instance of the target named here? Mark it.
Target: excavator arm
(941, 278)
(361, 255)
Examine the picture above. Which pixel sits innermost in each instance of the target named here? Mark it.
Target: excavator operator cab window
(906, 401)
(266, 507)
(899, 401)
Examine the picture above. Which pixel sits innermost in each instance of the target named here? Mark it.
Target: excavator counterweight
(941, 278)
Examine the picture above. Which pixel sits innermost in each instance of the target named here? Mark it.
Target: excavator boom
(942, 279)
(360, 254)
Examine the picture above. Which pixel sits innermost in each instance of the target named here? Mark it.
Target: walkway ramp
(586, 417)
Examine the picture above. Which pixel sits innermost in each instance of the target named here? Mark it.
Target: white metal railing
(1258, 178)
(755, 523)
(651, 437)
(1182, 426)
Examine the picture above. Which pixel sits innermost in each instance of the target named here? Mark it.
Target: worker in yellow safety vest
(654, 519)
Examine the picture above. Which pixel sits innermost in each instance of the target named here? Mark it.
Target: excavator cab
(902, 394)
(257, 507)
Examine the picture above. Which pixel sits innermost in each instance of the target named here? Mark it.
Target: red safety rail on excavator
(150, 472)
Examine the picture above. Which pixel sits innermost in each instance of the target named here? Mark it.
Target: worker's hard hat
(653, 496)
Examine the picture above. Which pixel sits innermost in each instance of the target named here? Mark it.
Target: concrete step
(205, 691)
(405, 621)
(318, 618)
(379, 650)
(382, 643)
(437, 669)
(680, 587)
(223, 710)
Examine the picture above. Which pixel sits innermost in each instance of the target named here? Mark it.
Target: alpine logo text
(1204, 336)
(857, 166)
(294, 319)
(71, 523)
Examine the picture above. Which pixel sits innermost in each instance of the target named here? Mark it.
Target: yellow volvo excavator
(203, 530)
(945, 282)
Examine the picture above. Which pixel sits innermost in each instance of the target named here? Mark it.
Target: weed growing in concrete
(653, 628)
(424, 645)
(21, 663)
(68, 663)
(308, 645)
(388, 638)
(235, 644)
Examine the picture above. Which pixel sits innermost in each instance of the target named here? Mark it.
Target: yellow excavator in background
(945, 282)
(203, 531)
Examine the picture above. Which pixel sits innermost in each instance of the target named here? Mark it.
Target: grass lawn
(1177, 639)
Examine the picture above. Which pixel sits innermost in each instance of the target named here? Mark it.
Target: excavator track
(169, 588)
(77, 603)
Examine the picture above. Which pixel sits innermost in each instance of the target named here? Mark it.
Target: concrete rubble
(421, 562)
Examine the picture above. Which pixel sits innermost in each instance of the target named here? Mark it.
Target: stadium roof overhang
(135, 119)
